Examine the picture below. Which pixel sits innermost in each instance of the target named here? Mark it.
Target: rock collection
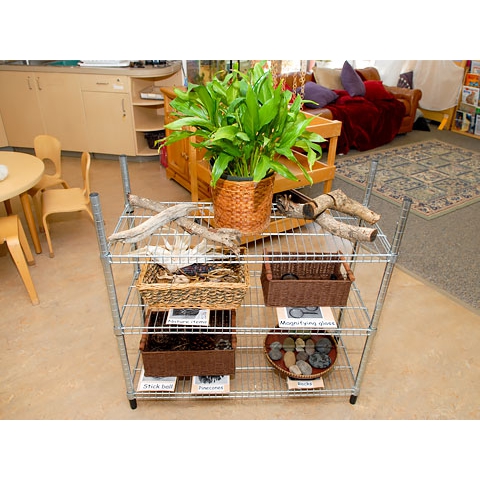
(301, 353)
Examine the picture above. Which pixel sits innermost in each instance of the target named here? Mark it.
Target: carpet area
(439, 177)
(442, 250)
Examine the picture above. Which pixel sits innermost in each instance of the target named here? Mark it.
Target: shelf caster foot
(133, 404)
(353, 399)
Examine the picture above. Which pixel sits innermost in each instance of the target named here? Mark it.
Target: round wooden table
(24, 171)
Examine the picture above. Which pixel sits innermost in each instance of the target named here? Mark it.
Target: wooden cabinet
(3, 135)
(108, 114)
(61, 105)
(35, 103)
(20, 109)
(87, 109)
(109, 123)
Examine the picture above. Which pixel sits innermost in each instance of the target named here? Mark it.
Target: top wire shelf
(296, 243)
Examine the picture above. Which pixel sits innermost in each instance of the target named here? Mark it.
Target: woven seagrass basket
(197, 293)
(243, 205)
(194, 361)
(305, 283)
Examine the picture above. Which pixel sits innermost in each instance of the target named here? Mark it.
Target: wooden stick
(344, 204)
(228, 237)
(334, 200)
(343, 230)
(146, 228)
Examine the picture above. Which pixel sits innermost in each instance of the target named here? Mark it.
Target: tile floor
(60, 360)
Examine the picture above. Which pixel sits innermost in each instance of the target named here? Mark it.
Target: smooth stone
(310, 346)
(302, 356)
(276, 345)
(289, 359)
(275, 354)
(324, 345)
(304, 367)
(319, 360)
(295, 370)
(289, 344)
(299, 345)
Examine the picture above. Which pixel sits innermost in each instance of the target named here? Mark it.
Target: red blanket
(366, 124)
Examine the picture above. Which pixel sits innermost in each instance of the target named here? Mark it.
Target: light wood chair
(67, 200)
(13, 234)
(48, 149)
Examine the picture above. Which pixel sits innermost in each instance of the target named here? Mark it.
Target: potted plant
(244, 124)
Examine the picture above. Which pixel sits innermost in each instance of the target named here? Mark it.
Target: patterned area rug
(437, 176)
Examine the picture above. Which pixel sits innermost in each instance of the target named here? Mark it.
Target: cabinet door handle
(102, 83)
(124, 112)
(38, 83)
(29, 83)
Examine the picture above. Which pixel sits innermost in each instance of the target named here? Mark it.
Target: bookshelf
(466, 120)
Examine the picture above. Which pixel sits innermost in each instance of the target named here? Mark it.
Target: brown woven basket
(243, 205)
(314, 283)
(196, 294)
(187, 363)
(280, 365)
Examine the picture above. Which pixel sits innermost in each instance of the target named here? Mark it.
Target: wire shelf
(298, 242)
(255, 378)
(254, 375)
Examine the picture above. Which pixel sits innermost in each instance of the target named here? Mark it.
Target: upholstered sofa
(372, 114)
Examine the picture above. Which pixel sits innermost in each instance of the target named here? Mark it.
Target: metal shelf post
(112, 296)
(387, 275)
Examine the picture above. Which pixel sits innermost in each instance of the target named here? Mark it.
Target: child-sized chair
(67, 200)
(48, 149)
(12, 233)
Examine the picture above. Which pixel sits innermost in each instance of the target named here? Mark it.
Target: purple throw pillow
(317, 93)
(352, 81)
(405, 80)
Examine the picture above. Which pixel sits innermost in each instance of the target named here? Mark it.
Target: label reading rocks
(294, 384)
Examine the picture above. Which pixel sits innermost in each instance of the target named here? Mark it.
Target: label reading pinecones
(211, 384)
(188, 316)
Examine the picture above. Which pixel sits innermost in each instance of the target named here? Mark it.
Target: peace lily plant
(245, 123)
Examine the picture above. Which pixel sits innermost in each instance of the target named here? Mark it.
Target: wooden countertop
(174, 67)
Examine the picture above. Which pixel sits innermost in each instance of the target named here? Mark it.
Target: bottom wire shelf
(256, 378)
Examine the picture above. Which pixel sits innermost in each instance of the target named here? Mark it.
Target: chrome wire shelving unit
(254, 377)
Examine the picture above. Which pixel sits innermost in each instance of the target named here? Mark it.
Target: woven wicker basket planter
(306, 283)
(243, 205)
(187, 363)
(196, 294)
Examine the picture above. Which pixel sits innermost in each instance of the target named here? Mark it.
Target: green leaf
(228, 132)
(219, 167)
(176, 136)
(190, 122)
(268, 111)
(250, 114)
(262, 168)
